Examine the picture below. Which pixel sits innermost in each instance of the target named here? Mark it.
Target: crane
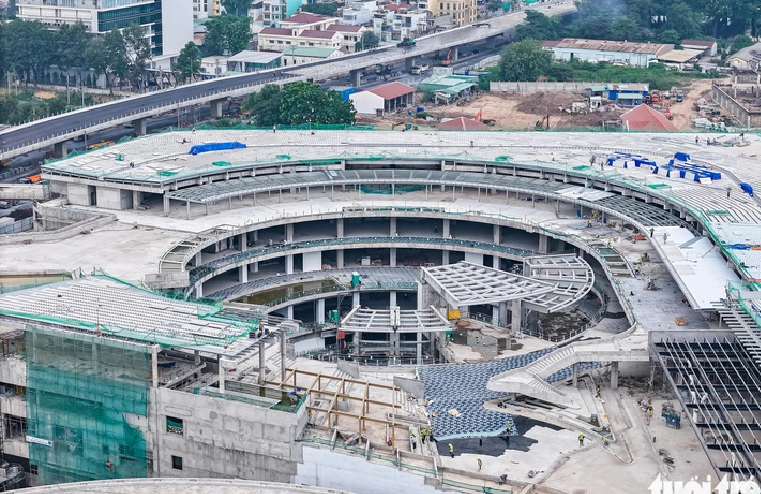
(448, 60)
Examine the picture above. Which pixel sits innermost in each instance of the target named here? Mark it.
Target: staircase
(745, 328)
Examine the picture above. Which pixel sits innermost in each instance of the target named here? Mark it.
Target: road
(25, 138)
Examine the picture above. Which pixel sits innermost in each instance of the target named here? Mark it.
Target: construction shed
(644, 118)
(384, 99)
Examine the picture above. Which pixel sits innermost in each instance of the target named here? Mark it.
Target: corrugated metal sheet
(614, 46)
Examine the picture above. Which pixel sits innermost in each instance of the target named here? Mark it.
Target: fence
(541, 87)
(16, 227)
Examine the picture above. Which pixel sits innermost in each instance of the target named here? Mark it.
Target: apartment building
(309, 30)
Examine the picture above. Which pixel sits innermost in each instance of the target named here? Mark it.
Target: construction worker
(423, 433)
(480, 464)
(581, 440)
(451, 450)
(604, 442)
(430, 435)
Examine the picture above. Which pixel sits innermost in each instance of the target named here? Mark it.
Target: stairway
(745, 328)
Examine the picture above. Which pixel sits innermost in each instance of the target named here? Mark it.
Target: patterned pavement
(463, 387)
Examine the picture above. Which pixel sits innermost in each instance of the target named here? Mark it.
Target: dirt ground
(521, 112)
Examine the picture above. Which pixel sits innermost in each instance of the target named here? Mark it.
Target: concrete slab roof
(363, 320)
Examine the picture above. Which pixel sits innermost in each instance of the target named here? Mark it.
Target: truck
(32, 179)
(419, 69)
(679, 97)
(406, 43)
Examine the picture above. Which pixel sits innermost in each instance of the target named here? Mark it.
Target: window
(33, 470)
(177, 462)
(174, 425)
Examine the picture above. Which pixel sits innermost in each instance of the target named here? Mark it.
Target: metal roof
(614, 46)
(392, 90)
(680, 56)
(250, 56)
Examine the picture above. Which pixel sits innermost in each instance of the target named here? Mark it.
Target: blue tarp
(746, 187)
(682, 156)
(215, 146)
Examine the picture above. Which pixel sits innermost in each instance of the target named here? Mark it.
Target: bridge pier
(614, 375)
(455, 53)
(409, 63)
(216, 108)
(141, 127)
(59, 149)
(355, 77)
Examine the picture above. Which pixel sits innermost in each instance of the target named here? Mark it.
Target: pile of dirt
(545, 103)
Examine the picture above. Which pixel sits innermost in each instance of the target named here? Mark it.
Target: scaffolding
(85, 396)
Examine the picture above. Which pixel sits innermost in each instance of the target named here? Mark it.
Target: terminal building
(294, 306)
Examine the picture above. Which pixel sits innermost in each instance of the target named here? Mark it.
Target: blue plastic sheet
(215, 146)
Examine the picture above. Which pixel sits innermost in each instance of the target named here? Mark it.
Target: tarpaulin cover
(215, 146)
(746, 187)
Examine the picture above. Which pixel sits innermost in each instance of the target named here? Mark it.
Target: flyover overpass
(59, 129)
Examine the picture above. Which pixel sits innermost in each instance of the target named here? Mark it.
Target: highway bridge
(59, 129)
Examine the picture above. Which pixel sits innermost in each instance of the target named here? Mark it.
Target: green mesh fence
(84, 395)
(387, 189)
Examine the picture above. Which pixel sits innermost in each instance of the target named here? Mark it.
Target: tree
(368, 41)
(494, 5)
(227, 34)
(29, 48)
(322, 8)
(265, 105)
(189, 61)
(107, 56)
(537, 26)
(524, 61)
(741, 41)
(237, 7)
(681, 18)
(71, 42)
(625, 29)
(138, 54)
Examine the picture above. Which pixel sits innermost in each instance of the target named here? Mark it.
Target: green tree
(227, 34)
(188, 62)
(626, 29)
(670, 36)
(107, 56)
(138, 54)
(368, 41)
(236, 7)
(71, 43)
(29, 48)
(537, 26)
(681, 18)
(264, 106)
(302, 102)
(741, 41)
(524, 61)
(337, 111)
(322, 8)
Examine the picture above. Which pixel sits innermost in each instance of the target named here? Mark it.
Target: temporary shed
(644, 118)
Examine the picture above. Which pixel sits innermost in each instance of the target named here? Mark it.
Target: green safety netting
(85, 395)
(387, 189)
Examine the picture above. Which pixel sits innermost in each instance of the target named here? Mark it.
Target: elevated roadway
(59, 129)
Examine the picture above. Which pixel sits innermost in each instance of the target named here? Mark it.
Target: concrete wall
(113, 198)
(78, 194)
(325, 468)
(224, 438)
(542, 87)
(13, 370)
(746, 117)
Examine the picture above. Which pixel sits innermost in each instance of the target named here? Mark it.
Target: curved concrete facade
(182, 486)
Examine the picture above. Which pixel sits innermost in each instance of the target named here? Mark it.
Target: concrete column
(575, 375)
(544, 241)
(409, 63)
(135, 199)
(197, 259)
(614, 375)
(289, 232)
(216, 108)
(497, 234)
(155, 365)
(319, 316)
(243, 242)
(59, 149)
(419, 348)
(262, 363)
(166, 206)
(392, 257)
(289, 312)
(254, 267)
(243, 274)
(339, 228)
(356, 341)
(503, 314)
(199, 290)
(355, 299)
(495, 262)
(187, 210)
(455, 53)
(140, 126)
(340, 258)
(283, 341)
(495, 315)
(355, 77)
(289, 264)
(445, 229)
(196, 357)
(444, 257)
(392, 230)
(221, 377)
(392, 299)
(517, 319)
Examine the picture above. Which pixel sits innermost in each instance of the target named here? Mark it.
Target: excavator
(544, 123)
(447, 61)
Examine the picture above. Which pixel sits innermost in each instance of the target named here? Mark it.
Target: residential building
(463, 12)
(278, 39)
(205, 8)
(252, 61)
(305, 20)
(213, 66)
(634, 54)
(168, 23)
(294, 55)
(709, 48)
(351, 35)
(358, 13)
(275, 11)
(746, 59)
(381, 100)
(396, 22)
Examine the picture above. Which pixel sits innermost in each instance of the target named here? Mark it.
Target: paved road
(44, 132)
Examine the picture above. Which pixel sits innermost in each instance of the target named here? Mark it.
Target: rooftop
(311, 33)
(251, 56)
(344, 28)
(309, 51)
(680, 56)
(391, 90)
(276, 31)
(305, 18)
(611, 46)
(645, 118)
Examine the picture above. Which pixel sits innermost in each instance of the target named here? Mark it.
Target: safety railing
(399, 285)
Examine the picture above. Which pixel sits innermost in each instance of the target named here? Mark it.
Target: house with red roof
(384, 99)
(644, 118)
